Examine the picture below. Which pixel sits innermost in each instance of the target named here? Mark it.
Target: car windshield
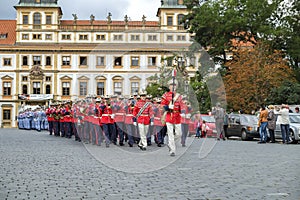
(249, 119)
(295, 119)
(209, 119)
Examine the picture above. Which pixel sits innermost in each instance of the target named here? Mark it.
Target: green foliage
(287, 93)
(156, 90)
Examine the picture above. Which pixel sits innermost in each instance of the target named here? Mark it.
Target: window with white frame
(66, 60)
(48, 19)
(169, 37)
(24, 89)
(36, 88)
(118, 37)
(65, 88)
(25, 19)
(100, 88)
(118, 88)
(66, 37)
(83, 37)
(83, 60)
(37, 20)
(82, 88)
(100, 37)
(152, 61)
(135, 38)
(36, 60)
(100, 60)
(118, 61)
(135, 61)
(48, 89)
(48, 36)
(37, 36)
(169, 21)
(181, 38)
(48, 60)
(6, 88)
(135, 87)
(25, 36)
(152, 37)
(6, 61)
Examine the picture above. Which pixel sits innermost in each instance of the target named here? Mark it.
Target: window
(180, 20)
(24, 60)
(48, 60)
(25, 19)
(48, 36)
(6, 61)
(25, 36)
(6, 114)
(66, 60)
(135, 37)
(24, 89)
(118, 61)
(37, 20)
(193, 61)
(3, 35)
(117, 88)
(24, 78)
(48, 78)
(169, 21)
(100, 61)
(100, 37)
(181, 38)
(83, 60)
(82, 88)
(36, 88)
(65, 88)
(36, 60)
(48, 19)
(134, 61)
(66, 37)
(48, 89)
(151, 61)
(169, 37)
(152, 37)
(100, 88)
(118, 37)
(6, 88)
(37, 36)
(83, 37)
(134, 87)
(169, 62)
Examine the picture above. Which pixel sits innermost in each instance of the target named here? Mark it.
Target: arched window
(25, 60)
(24, 89)
(37, 20)
(48, 89)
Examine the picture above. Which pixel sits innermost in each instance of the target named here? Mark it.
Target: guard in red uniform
(159, 127)
(50, 118)
(67, 112)
(185, 120)
(119, 116)
(173, 104)
(106, 120)
(130, 128)
(143, 117)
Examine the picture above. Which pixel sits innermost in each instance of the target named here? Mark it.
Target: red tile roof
(8, 27)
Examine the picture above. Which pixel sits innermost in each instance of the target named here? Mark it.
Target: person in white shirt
(284, 121)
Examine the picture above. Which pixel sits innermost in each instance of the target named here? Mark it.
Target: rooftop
(7, 32)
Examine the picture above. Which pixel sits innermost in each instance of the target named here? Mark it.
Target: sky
(134, 9)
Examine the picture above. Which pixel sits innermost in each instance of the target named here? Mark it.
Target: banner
(35, 97)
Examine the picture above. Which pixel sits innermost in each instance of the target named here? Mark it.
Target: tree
(252, 74)
(223, 25)
(287, 93)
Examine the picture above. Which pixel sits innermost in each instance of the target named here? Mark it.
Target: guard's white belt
(106, 115)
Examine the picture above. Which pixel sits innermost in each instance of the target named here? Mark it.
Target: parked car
(294, 128)
(243, 126)
(210, 123)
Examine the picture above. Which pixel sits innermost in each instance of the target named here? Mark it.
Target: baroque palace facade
(44, 58)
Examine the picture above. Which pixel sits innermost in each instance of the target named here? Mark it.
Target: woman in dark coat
(271, 123)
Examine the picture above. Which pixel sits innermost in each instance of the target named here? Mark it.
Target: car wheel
(244, 135)
(292, 135)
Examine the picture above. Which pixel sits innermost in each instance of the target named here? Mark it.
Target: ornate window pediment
(135, 78)
(6, 78)
(83, 78)
(66, 78)
(101, 78)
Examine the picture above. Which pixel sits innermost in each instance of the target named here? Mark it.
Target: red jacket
(146, 115)
(173, 116)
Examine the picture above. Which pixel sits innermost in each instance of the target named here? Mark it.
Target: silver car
(294, 128)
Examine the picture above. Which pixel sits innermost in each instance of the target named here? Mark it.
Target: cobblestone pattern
(38, 166)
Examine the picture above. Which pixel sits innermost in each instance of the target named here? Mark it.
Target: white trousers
(171, 136)
(143, 130)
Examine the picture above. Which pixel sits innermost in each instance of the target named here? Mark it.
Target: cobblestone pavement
(38, 166)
